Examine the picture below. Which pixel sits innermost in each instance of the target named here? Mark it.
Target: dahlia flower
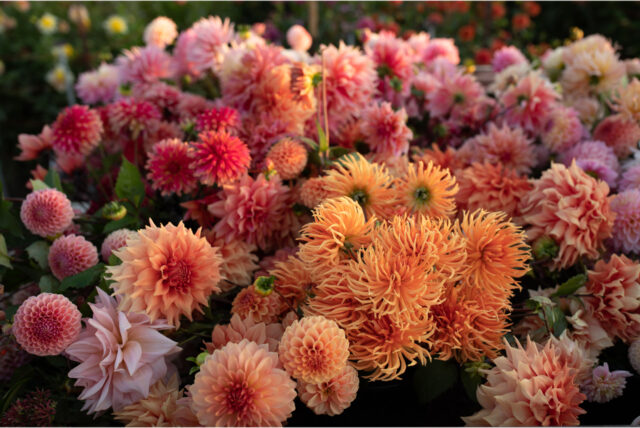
(441, 48)
(31, 145)
(219, 158)
(238, 260)
(289, 157)
(385, 131)
(141, 349)
(505, 57)
(299, 38)
(100, 85)
(211, 37)
(428, 190)
(245, 328)
(242, 385)
(114, 241)
(586, 330)
(166, 272)
(393, 58)
(595, 158)
(630, 178)
(563, 129)
(218, 119)
(35, 409)
(169, 165)
(627, 101)
(456, 97)
(162, 95)
(184, 44)
(76, 131)
(571, 208)
(250, 304)
(604, 385)
(332, 397)
(447, 159)
(622, 135)
(626, 235)
(269, 262)
(70, 255)
(160, 32)
(132, 117)
(591, 71)
(293, 280)
(313, 192)
(144, 65)
(46, 324)
(46, 212)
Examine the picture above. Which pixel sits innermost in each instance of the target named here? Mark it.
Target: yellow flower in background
(115, 24)
(58, 78)
(65, 49)
(47, 24)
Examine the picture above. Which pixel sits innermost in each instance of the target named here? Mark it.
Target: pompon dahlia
(622, 135)
(76, 131)
(211, 37)
(573, 209)
(614, 289)
(100, 85)
(121, 355)
(254, 210)
(219, 158)
(70, 255)
(218, 120)
(144, 65)
(505, 57)
(339, 227)
(46, 324)
(314, 349)
(242, 385)
(630, 178)
(245, 328)
(313, 192)
(238, 258)
(595, 158)
(167, 272)
(252, 305)
(385, 131)
(289, 157)
(165, 406)
(562, 130)
(369, 184)
(160, 32)
(293, 280)
(529, 386)
(332, 397)
(626, 231)
(46, 212)
(114, 241)
(493, 188)
(169, 164)
(36, 409)
(604, 385)
(428, 190)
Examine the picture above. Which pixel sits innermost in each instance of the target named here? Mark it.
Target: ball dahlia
(169, 165)
(251, 304)
(622, 135)
(160, 32)
(46, 212)
(167, 272)
(245, 328)
(242, 385)
(219, 158)
(46, 324)
(332, 397)
(71, 254)
(114, 241)
(312, 192)
(76, 131)
(314, 349)
(289, 157)
(626, 226)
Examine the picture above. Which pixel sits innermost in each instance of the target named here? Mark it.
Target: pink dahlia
(595, 158)
(288, 157)
(120, 354)
(242, 384)
(46, 212)
(31, 145)
(211, 37)
(393, 58)
(386, 131)
(299, 38)
(630, 177)
(77, 130)
(144, 65)
(132, 117)
(457, 96)
(100, 85)
(254, 210)
(262, 132)
(181, 65)
(626, 226)
(218, 119)
(245, 328)
(238, 260)
(160, 32)
(249, 304)
(604, 385)
(162, 95)
(332, 397)
(70, 255)
(505, 57)
(622, 135)
(46, 324)
(114, 241)
(219, 158)
(441, 48)
(563, 129)
(169, 165)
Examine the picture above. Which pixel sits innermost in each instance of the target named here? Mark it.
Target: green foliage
(83, 279)
(434, 379)
(39, 251)
(48, 284)
(4, 253)
(129, 185)
(571, 285)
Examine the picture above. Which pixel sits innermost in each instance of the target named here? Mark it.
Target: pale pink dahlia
(621, 134)
(332, 397)
(100, 85)
(242, 385)
(76, 131)
(505, 57)
(441, 48)
(70, 255)
(160, 32)
(120, 354)
(170, 167)
(46, 212)
(31, 145)
(563, 129)
(245, 328)
(456, 96)
(630, 177)
(211, 37)
(114, 241)
(299, 38)
(46, 324)
(626, 226)
(386, 131)
(181, 65)
(144, 65)
(218, 119)
(595, 158)
(604, 385)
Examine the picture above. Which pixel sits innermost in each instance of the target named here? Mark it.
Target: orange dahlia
(289, 158)
(293, 280)
(314, 349)
(167, 272)
(447, 159)
(245, 328)
(250, 304)
(339, 229)
(428, 190)
(369, 184)
(332, 397)
(242, 385)
(313, 192)
(238, 260)
(573, 209)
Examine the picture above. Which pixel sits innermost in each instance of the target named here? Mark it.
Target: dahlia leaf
(8, 221)
(434, 379)
(4, 253)
(52, 179)
(119, 224)
(470, 382)
(571, 285)
(129, 184)
(48, 284)
(39, 185)
(83, 279)
(39, 251)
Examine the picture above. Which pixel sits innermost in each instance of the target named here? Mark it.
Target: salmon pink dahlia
(46, 212)
(314, 349)
(144, 65)
(210, 41)
(332, 397)
(313, 192)
(70, 255)
(385, 131)
(289, 157)
(46, 324)
(219, 158)
(626, 227)
(167, 272)
(293, 280)
(218, 119)
(562, 130)
(114, 241)
(169, 166)
(250, 304)
(238, 260)
(245, 328)
(242, 385)
(76, 131)
(622, 135)
(160, 32)
(31, 145)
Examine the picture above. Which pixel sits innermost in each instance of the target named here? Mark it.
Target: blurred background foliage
(32, 36)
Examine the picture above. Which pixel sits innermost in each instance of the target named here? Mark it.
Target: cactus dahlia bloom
(427, 189)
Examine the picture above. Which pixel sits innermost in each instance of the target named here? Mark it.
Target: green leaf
(48, 284)
(129, 184)
(338, 151)
(323, 142)
(470, 383)
(52, 179)
(39, 251)
(571, 285)
(435, 378)
(39, 185)
(8, 221)
(119, 224)
(114, 260)
(309, 142)
(4, 253)
(555, 319)
(83, 279)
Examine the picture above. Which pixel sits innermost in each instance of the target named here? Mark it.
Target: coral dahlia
(332, 397)
(46, 212)
(289, 157)
(70, 255)
(219, 158)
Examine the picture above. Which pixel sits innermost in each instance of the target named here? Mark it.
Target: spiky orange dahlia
(427, 189)
(293, 281)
